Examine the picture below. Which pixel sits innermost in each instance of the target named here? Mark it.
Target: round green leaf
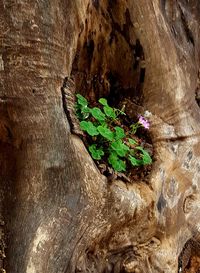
(85, 111)
(103, 101)
(105, 132)
(89, 128)
(146, 158)
(81, 100)
(117, 164)
(119, 147)
(96, 153)
(134, 161)
(97, 114)
(109, 111)
(119, 132)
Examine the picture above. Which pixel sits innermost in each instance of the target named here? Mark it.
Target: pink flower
(143, 122)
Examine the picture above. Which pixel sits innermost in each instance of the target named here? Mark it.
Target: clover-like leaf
(146, 158)
(119, 147)
(89, 127)
(119, 132)
(81, 100)
(105, 132)
(97, 114)
(117, 164)
(84, 112)
(103, 101)
(96, 153)
(134, 161)
(109, 111)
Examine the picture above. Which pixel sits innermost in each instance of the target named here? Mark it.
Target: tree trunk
(58, 212)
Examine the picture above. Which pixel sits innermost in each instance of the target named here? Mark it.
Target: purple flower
(143, 122)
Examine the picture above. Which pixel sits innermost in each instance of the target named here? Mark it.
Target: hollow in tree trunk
(58, 212)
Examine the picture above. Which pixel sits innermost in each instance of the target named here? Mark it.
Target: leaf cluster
(106, 140)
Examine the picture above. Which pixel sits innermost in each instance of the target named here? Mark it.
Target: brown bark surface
(58, 213)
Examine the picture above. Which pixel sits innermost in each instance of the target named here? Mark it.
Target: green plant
(110, 142)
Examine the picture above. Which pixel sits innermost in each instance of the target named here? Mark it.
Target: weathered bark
(60, 213)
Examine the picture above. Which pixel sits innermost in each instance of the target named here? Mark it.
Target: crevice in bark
(68, 101)
(91, 82)
(197, 92)
(110, 60)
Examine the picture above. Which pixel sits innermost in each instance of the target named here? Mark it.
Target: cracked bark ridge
(60, 213)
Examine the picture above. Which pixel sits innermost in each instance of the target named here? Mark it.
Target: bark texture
(58, 212)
